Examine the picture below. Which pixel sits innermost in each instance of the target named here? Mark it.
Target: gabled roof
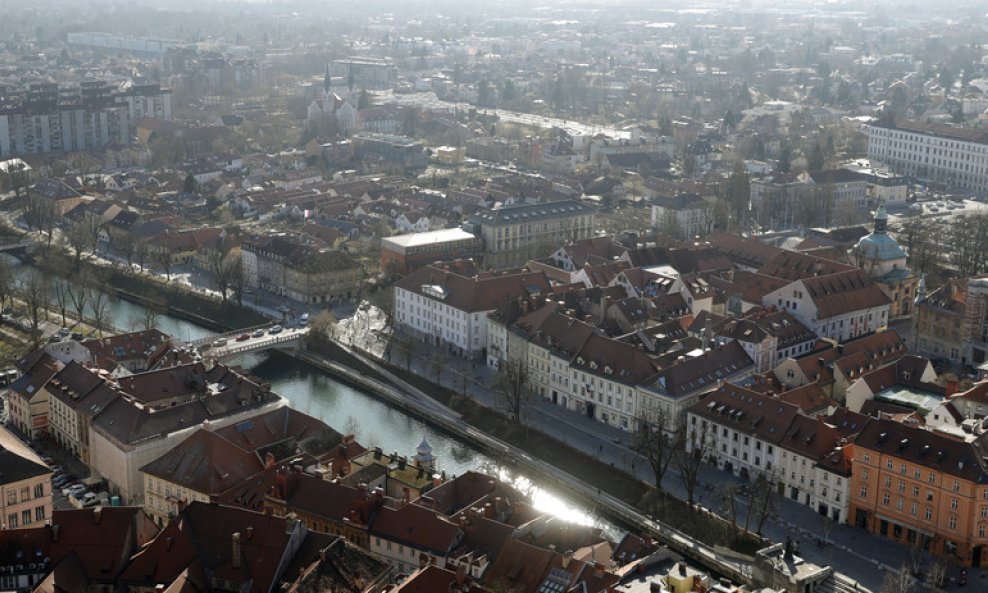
(743, 251)
(416, 526)
(204, 533)
(475, 294)
(927, 448)
(748, 411)
(791, 265)
(205, 462)
(844, 292)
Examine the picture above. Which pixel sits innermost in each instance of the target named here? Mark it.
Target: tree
(785, 158)
(689, 460)
(322, 329)
(33, 290)
(739, 194)
(655, 445)
(99, 304)
(898, 581)
(61, 290)
(189, 185)
(6, 284)
(78, 293)
(761, 501)
(512, 387)
(41, 215)
(227, 270)
(401, 348)
(163, 257)
(437, 361)
(728, 494)
(81, 236)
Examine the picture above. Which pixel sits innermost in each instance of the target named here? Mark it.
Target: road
(430, 100)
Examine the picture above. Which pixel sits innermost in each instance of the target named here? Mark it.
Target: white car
(220, 342)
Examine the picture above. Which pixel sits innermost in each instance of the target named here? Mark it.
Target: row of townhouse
(575, 365)
(747, 433)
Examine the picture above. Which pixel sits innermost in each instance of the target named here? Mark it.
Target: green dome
(878, 245)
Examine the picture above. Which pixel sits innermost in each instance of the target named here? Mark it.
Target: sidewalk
(859, 555)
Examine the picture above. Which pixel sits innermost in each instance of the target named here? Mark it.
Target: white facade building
(955, 156)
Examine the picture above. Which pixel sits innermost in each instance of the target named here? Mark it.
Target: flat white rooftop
(428, 237)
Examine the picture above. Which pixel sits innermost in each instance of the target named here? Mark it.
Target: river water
(344, 407)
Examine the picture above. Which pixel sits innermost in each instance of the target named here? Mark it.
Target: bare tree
(727, 496)
(652, 442)
(61, 292)
(689, 459)
(142, 251)
(6, 283)
(78, 293)
(936, 574)
(898, 581)
(81, 237)
(512, 387)
(351, 427)
(437, 362)
(761, 501)
(41, 214)
(99, 303)
(33, 290)
(163, 256)
(401, 348)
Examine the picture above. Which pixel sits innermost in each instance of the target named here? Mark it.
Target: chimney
(405, 495)
(97, 514)
(461, 576)
(235, 558)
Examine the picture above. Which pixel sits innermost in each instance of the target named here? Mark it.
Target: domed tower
(423, 455)
(877, 252)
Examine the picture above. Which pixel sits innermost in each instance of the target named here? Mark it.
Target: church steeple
(881, 220)
(326, 82)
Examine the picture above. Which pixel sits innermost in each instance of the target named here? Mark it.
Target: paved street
(857, 554)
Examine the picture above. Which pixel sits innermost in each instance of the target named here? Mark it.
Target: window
(25, 517)
(25, 493)
(928, 514)
(957, 486)
(902, 486)
(915, 490)
(11, 497)
(888, 464)
(39, 513)
(888, 482)
(39, 490)
(953, 504)
(953, 522)
(864, 492)
(885, 499)
(12, 520)
(867, 457)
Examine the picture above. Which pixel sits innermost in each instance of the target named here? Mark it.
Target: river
(341, 406)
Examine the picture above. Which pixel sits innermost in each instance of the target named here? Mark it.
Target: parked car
(73, 488)
(304, 318)
(77, 336)
(61, 480)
